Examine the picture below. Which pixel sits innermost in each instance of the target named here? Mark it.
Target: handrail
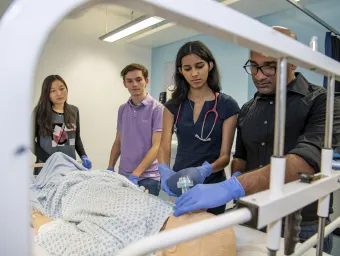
(248, 33)
(182, 234)
(21, 20)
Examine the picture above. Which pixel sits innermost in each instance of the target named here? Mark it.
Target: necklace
(191, 106)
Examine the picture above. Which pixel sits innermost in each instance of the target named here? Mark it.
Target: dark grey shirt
(304, 134)
(63, 139)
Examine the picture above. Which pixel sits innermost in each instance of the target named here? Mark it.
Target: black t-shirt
(192, 152)
(304, 131)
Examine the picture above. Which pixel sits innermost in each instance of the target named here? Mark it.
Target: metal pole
(293, 220)
(323, 207)
(321, 235)
(280, 108)
(278, 162)
(329, 113)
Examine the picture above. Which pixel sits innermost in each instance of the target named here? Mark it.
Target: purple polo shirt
(136, 125)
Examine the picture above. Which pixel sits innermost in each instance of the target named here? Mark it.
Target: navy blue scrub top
(192, 152)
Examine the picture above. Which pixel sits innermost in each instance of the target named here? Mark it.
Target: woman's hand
(86, 162)
(165, 172)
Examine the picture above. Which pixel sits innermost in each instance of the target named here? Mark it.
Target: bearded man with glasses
(304, 137)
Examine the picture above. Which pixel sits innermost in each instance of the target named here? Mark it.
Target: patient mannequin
(220, 243)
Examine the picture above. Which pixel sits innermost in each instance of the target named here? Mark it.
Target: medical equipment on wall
(162, 97)
(165, 96)
(314, 43)
(261, 209)
(169, 90)
(211, 111)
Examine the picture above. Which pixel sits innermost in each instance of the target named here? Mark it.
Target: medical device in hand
(191, 173)
(185, 183)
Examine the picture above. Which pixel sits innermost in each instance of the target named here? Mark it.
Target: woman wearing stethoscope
(203, 119)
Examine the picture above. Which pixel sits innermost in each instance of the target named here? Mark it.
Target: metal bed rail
(23, 20)
(188, 232)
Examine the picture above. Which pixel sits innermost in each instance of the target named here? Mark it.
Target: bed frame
(24, 29)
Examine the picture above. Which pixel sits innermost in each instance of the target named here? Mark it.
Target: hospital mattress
(249, 242)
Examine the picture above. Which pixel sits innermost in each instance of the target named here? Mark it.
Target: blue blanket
(96, 212)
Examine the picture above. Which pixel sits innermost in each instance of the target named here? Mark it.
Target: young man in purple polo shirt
(139, 129)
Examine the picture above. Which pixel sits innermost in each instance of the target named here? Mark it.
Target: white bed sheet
(249, 242)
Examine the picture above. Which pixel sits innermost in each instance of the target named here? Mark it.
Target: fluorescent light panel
(131, 28)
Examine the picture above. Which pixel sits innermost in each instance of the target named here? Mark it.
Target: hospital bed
(249, 242)
(23, 20)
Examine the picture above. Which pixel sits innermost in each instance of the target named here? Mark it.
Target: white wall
(229, 58)
(91, 69)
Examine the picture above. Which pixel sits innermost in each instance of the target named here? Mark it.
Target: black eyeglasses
(252, 69)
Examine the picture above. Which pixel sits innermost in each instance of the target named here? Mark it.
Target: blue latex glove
(204, 196)
(133, 179)
(86, 162)
(165, 172)
(238, 173)
(111, 169)
(203, 171)
(196, 174)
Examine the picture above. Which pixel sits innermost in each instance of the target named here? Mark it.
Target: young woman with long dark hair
(56, 123)
(203, 118)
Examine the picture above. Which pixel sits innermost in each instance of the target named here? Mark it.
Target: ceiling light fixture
(131, 28)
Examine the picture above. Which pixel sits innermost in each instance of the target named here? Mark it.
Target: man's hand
(238, 165)
(204, 196)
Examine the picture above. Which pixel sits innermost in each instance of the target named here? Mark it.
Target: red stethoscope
(213, 111)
